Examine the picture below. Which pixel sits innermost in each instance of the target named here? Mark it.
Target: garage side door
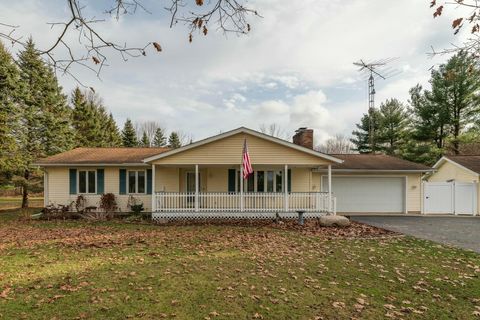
(368, 194)
(438, 197)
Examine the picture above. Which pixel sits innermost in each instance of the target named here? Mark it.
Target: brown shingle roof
(469, 162)
(376, 162)
(101, 156)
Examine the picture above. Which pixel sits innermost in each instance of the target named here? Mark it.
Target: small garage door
(368, 194)
(450, 197)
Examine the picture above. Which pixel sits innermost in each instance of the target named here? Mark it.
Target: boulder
(334, 221)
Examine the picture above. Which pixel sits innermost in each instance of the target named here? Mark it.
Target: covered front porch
(218, 191)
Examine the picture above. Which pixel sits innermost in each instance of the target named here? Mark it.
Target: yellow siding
(449, 171)
(167, 179)
(59, 188)
(414, 186)
(217, 179)
(229, 151)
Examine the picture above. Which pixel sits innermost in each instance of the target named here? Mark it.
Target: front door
(190, 186)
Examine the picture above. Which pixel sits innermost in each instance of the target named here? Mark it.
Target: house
(453, 187)
(202, 179)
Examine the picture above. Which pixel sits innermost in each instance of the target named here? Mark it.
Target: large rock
(334, 221)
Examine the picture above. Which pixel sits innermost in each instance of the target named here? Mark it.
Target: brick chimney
(304, 137)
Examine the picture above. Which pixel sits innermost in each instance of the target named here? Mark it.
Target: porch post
(330, 188)
(285, 187)
(154, 195)
(196, 188)
(241, 189)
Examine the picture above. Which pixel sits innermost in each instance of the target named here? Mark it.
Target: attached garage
(453, 188)
(366, 183)
(369, 193)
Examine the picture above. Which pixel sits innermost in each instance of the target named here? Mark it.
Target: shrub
(135, 205)
(108, 204)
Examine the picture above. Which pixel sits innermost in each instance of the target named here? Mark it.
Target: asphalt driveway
(463, 232)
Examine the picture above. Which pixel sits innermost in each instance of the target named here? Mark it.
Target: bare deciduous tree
(274, 130)
(81, 43)
(185, 138)
(339, 144)
(469, 17)
(148, 127)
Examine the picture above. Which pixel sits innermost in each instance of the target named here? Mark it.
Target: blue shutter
(289, 173)
(149, 181)
(73, 181)
(122, 181)
(100, 181)
(231, 180)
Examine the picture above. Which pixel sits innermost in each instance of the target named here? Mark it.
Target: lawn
(80, 270)
(16, 202)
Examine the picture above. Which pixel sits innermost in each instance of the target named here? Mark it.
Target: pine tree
(94, 127)
(129, 137)
(159, 139)
(10, 95)
(45, 114)
(455, 92)
(145, 142)
(114, 137)
(392, 127)
(361, 136)
(174, 141)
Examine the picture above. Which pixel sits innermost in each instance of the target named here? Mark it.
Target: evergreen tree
(159, 139)
(45, 114)
(10, 95)
(113, 134)
(145, 142)
(455, 91)
(129, 137)
(392, 127)
(94, 127)
(361, 136)
(174, 141)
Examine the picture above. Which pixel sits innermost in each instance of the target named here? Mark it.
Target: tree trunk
(25, 189)
(456, 133)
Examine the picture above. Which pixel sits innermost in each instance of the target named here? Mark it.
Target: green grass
(16, 202)
(113, 270)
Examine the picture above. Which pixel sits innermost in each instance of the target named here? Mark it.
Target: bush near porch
(82, 270)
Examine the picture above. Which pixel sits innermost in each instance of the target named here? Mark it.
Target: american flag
(247, 165)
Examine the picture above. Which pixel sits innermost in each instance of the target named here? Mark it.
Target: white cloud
(296, 56)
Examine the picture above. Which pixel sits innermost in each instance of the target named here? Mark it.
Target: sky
(295, 68)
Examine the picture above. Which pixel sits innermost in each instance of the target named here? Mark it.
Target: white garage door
(450, 197)
(368, 194)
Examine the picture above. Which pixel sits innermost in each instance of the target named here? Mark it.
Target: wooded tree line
(38, 120)
(443, 119)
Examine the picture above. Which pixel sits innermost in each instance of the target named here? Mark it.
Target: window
(87, 181)
(262, 181)
(269, 181)
(136, 181)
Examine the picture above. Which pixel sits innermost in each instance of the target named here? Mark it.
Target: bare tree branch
(469, 16)
(95, 48)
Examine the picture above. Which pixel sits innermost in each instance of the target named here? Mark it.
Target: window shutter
(100, 181)
(231, 180)
(149, 181)
(73, 181)
(289, 173)
(122, 188)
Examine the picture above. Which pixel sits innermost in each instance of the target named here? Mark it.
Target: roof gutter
(141, 164)
(374, 170)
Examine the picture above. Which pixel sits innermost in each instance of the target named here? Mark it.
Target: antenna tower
(375, 69)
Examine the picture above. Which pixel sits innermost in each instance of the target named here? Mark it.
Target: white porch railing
(249, 204)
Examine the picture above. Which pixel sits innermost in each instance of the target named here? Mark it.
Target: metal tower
(371, 69)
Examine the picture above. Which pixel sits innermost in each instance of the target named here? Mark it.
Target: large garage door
(368, 194)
